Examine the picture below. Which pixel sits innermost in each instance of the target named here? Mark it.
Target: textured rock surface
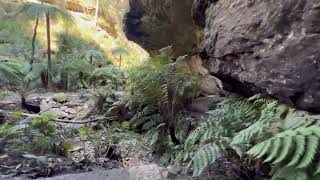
(268, 46)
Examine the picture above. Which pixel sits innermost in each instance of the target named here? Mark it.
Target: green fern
(232, 115)
(11, 71)
(205, 156)
(294, 148)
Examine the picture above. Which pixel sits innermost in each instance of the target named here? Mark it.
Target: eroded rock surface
(261, 46)
(267, 46)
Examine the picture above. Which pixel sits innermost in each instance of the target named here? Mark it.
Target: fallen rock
(114, 174)
(210, 85)
(145, 172)
(58, 112)
(173, 171)
(204, 104)
(64, 108)
(60, 97)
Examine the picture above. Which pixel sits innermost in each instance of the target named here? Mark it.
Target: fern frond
(277, 148)
(290, 174)
(276, 145)
(286, 145)
(310, 152)
(205, 156)
(299, 150)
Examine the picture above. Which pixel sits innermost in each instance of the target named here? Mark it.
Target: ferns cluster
(237, 124)
(294, 149)
(163, 89)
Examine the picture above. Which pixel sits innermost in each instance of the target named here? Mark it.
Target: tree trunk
(120, 62)
(97, 13)
(49, 49)
(33, 41)
(91, 59)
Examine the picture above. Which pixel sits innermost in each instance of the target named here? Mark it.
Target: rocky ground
(90, 158)
(83, 161)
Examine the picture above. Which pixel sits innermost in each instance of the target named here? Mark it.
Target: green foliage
(7, 131)
(116, 135)
(164, 87)
(43, 124)
(87, 133)
(205, 156)
(145, 81)
(11, 71)
(34, 10)
(60, 97)
(120, 51)
(80, 63)
(293, 149)
(238, 123)
(231, 116)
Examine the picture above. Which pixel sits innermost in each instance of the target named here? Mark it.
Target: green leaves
(34, 10)
(292, 148)
(205, 156)
(11, 71)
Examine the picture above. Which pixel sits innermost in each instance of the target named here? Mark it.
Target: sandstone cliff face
(253, 46)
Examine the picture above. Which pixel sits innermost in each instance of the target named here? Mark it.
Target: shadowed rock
(261, 46)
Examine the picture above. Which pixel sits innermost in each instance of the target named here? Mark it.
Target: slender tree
(34, 41)
(35, 10)
(120, 52)
(49, 47)
(97, 13)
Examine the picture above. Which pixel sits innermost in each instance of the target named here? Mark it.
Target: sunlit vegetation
(138, 101)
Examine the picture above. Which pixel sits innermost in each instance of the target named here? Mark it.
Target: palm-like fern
(11, 71)
(119, 51)
(35, 10)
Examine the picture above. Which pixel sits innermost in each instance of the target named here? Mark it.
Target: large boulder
(269, 46)
(260, 46)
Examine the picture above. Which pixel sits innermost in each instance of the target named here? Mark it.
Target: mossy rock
(60, 97)
(70, 146)
(115, 124)
(126, 124)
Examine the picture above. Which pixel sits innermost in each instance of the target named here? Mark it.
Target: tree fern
(35, 10)
(11, 71)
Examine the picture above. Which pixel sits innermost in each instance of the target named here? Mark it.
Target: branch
(85, 122)
(100, 118)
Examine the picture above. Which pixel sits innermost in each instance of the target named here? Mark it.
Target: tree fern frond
(35, 10)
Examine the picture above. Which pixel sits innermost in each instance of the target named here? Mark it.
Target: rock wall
(253, 46)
